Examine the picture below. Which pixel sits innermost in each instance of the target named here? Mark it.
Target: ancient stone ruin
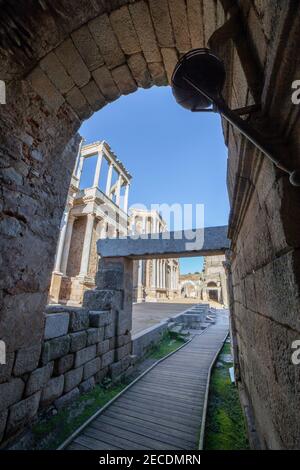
(63, 60)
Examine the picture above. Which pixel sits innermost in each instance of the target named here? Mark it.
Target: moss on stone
(225, 423)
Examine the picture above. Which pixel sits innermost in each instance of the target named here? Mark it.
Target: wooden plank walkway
(163, 410)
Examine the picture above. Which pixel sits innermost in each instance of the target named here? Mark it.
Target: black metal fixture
(197, 84)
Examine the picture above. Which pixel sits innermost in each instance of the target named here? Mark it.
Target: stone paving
(150, 313)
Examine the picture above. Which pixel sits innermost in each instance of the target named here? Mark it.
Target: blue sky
(174, 156)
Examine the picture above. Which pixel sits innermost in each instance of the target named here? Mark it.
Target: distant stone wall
(79, 349)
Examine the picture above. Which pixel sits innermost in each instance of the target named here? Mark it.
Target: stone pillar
(113, 297)
(108, 181)
(140, 282)
(61, 241)
(67, 244)
(79, 168)
(125, 207)
(98, 168)
(87, 245)
(118, 190)
(153, 273)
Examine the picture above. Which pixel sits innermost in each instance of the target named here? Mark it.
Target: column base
(55, 286)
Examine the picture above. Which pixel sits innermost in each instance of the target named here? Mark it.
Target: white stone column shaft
(118, 190)
(153, 273)
(126, 196)
(67, 244)
(98, 168)
(86, 249)
(61, 241)
(108, 181)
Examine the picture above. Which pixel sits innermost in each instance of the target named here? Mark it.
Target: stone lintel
(179, 244)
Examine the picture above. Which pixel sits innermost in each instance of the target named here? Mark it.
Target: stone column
(108, 181)
(153, 273)
(87, 245)
(160, 274)
(125, 207)
(98, 168)
(61, 241)
(118, 190)
(79, 168)
(67, 244)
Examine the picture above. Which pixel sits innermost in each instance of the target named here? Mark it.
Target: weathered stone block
(27, 359)
(139, 70)
(106, 40)
(85, 355)
(123, 27)
(55, 348)
(22, 413)
(143, 25)
(56, 324)
(95, 335)
(91, 368)
(67, 398)
(87, 47)
(126, 362)
(123, 351)
(73, 62)
(93, 95)
(57, 73)
(63, 364)
(79, 319)
(101, 374)
(112, 342)
(87, 385)
(99, 319)
(103, 347)
(158, 73)
(38, 379)
(107, 358)
(78, 341)
(105, 82)
(123, 339)
(180, 25)
(162, 22)
(3, 419)
(103, 299)
(53, 389)
(72, 379)
(6, 369)
(109, 331)
(115, 370)
(45, 88)
(78, 103)
(194, 20)
(170, 60)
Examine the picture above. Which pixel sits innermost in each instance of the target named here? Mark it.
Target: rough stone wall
(265, 211)
(115, 51)
(78, 350)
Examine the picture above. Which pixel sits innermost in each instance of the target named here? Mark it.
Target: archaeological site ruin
(66, 301)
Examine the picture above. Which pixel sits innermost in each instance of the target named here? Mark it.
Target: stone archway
(60, 67)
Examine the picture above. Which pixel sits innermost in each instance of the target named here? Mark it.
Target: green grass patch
(50, 432)
(169, 343)
(225, 423)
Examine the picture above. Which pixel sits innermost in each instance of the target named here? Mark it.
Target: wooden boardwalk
(163, 410)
